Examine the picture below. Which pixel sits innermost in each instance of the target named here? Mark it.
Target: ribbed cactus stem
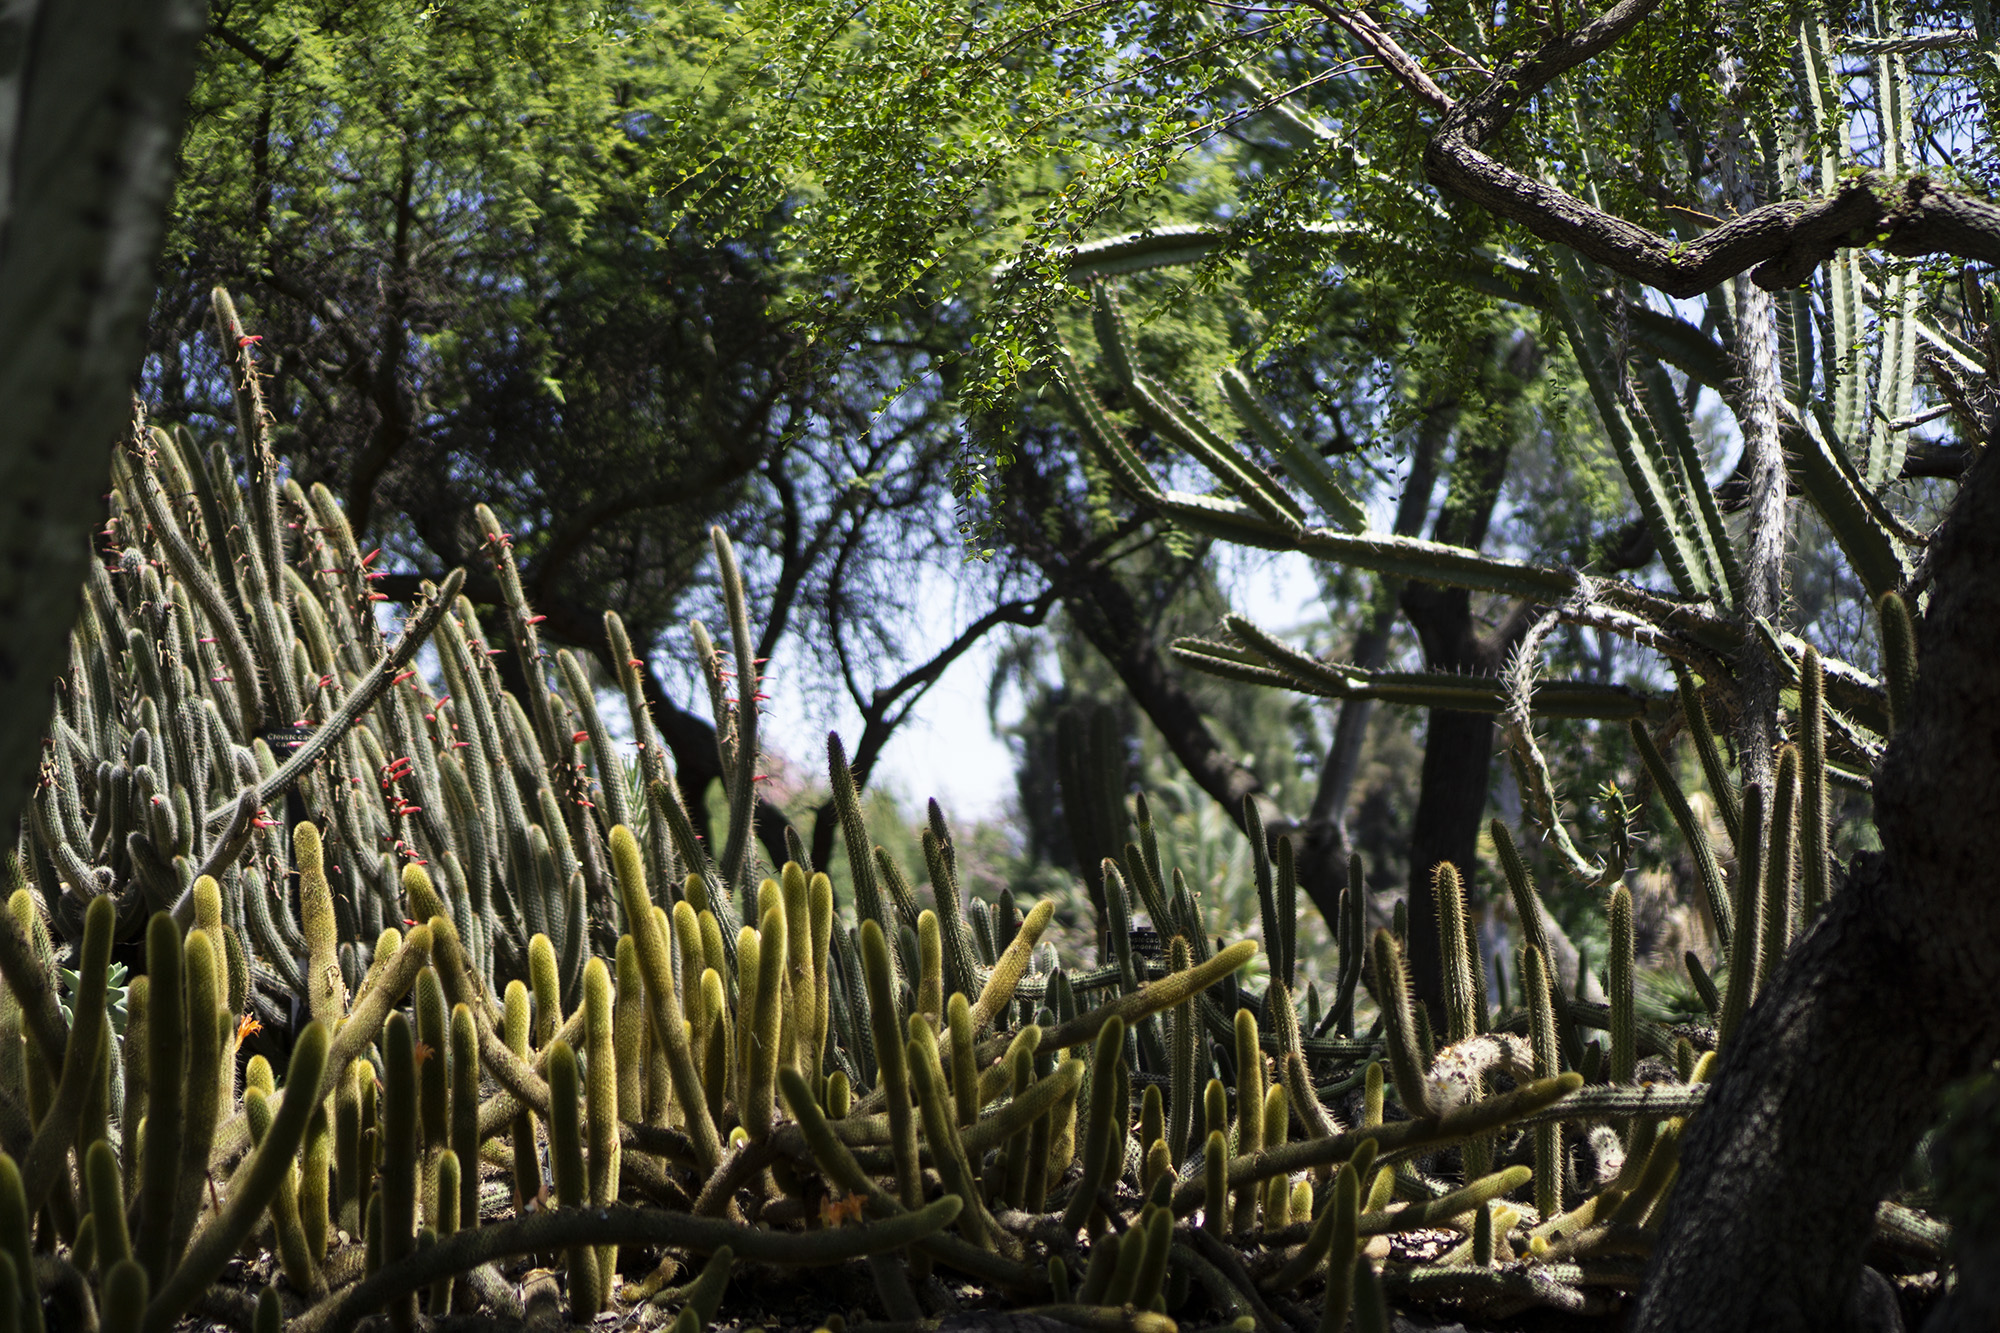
(628, 1029)
(1899, 657)
(1250, 1085)
(1343, 1248)
(1815, 858)
(445, 1220)
(1460, 1021)
(1536, 985)
(766, 1051)
(1747, 954)
(545, 987)
(1277, 1124)
(104, 1194)
(206, 1019)
(315, 1213)
(326, 992)
(930, 967)
(515, 1025)
(464, 1113)
(941, 1130)
(1215, 1184)
(801, 986)
(1183, 1046)
(1780, 857)
(166, 1033)
(399, 1153)
(964, 1069)
(819, 905)
(1624, 1022)
(293, 1255)
(433, 1072)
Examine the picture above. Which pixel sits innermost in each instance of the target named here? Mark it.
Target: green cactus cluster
(413, 998)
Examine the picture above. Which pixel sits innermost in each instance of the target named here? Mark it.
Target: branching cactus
(282, 818)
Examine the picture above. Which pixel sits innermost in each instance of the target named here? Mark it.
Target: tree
(1585, 164)
(92, 108)
(496, 254)
(1759, 1235)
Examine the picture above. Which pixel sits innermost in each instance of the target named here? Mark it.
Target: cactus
(1624, 1033)
(789, 1035)
(1747, 957)
(399, 1153)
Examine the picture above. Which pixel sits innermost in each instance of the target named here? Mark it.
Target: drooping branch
(1779, 244)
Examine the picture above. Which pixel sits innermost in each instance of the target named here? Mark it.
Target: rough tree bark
(91, 95)
(1896, 992)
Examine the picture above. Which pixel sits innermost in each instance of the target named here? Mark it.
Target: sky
(948, 748)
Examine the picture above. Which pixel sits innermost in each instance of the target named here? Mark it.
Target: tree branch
(1780, 244)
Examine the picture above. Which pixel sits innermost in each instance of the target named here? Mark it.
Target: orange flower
(245, 1026)
(834, 1212)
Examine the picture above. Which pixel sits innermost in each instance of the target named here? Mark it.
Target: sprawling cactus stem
(1748, 954)
(527, 1158)
(1453, 928)
(1104, 1132)
(206, 1022)
(1215, 1184)
(1011, 966)
(399, 1151)
(941, 1130)
(669, 1026)
(1728, 801)
(1706, 867)
(105, 1195)
(1624, 1029)
(1899, 656)
(1343, 1244)
(293, 1254)
(15, 1236)
(464, 1113)
(254, 1185)
(1406, 1061)
(1536, 983)
(1814, 857)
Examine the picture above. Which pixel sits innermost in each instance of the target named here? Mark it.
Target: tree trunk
(1895, 993)
(1458, 758)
